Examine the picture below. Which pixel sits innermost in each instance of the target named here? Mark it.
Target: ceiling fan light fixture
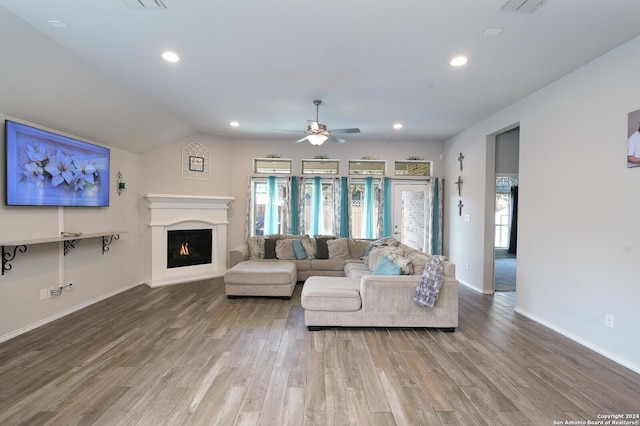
(317, 140)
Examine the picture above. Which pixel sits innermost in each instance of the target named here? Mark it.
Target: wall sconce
(121, 183)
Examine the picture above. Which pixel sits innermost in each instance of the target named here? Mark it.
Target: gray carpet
(505, 274)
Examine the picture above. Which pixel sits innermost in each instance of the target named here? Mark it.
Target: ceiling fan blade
(335, 139)
(301, 140)
(352, 130)
(290, 131)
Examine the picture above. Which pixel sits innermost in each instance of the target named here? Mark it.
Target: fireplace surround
(171, 213)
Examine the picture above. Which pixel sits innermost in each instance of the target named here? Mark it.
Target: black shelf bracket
(68, 245)
(107, 240)
(7, 256)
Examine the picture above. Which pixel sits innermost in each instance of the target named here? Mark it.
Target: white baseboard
(182, 280)
(477, 290)
(624, 362)
(64, 313)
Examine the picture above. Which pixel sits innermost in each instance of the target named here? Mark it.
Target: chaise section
(253, 278)
(384, 301)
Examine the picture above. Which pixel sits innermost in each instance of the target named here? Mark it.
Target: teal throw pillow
(386, 267)
(301, 254)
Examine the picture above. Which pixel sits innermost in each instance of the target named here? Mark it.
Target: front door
(410, 215)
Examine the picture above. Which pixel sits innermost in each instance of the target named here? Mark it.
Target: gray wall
(578, 251)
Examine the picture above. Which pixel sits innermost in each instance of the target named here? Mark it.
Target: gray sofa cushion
(335, 295)
(327, 265)
(357, 248)
(261, 273)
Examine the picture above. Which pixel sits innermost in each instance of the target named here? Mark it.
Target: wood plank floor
(185, 355)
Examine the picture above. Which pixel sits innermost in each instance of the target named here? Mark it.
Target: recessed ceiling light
(234, 124)
(398, 126)
(459, 61)
(170, 57)
(493, 31)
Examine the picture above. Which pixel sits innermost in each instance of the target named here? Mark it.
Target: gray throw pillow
(270, 248)
(322, 251)
(285, 250)
(338, 249)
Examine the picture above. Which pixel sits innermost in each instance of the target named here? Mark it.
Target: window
(272, 165)
(412, 168)
(503, 208)
(269, 206)
(318, 212)
(366, 167)
(320, 167)
(364, 207)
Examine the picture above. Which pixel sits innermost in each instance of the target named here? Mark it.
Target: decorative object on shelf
(415, 158)
(273, 156)
(369, 157)
(321, 157)
(196, 164)
(460, 206)
(459, 184)
(460, 158)
(121, 184)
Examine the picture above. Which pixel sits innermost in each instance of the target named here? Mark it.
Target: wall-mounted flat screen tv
(48, 169)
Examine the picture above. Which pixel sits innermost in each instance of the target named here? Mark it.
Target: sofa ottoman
(253, 278)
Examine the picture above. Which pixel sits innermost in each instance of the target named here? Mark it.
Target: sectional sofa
(346, 289)
(324, 255)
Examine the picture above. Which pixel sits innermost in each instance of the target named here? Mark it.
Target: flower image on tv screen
(47, 169)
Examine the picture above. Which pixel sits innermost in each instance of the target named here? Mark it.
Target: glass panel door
(410, 215)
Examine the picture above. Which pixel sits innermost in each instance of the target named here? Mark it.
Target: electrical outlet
(44, 293)
(468, 267)
(608, 320)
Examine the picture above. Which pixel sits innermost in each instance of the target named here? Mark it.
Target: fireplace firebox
(188, 247)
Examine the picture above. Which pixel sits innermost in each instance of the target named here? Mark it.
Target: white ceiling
(262, 63)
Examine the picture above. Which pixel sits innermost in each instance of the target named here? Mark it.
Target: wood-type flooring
(186, 355)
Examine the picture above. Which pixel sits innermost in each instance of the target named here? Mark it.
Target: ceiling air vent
(145, 4)
(521, 6)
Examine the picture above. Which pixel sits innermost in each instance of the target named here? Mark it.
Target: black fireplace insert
(188, 247)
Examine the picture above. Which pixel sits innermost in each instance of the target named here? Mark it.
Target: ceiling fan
(317, 133)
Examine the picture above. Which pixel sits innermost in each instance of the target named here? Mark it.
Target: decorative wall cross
(460, 158)
(460, 206)
(459, 183)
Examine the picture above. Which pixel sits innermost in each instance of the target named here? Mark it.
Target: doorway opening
(505, 245)
(507, 154)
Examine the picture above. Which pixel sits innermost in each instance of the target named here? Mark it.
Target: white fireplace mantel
(178, 212)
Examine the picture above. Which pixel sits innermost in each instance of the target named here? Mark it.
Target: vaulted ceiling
(94, 69)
